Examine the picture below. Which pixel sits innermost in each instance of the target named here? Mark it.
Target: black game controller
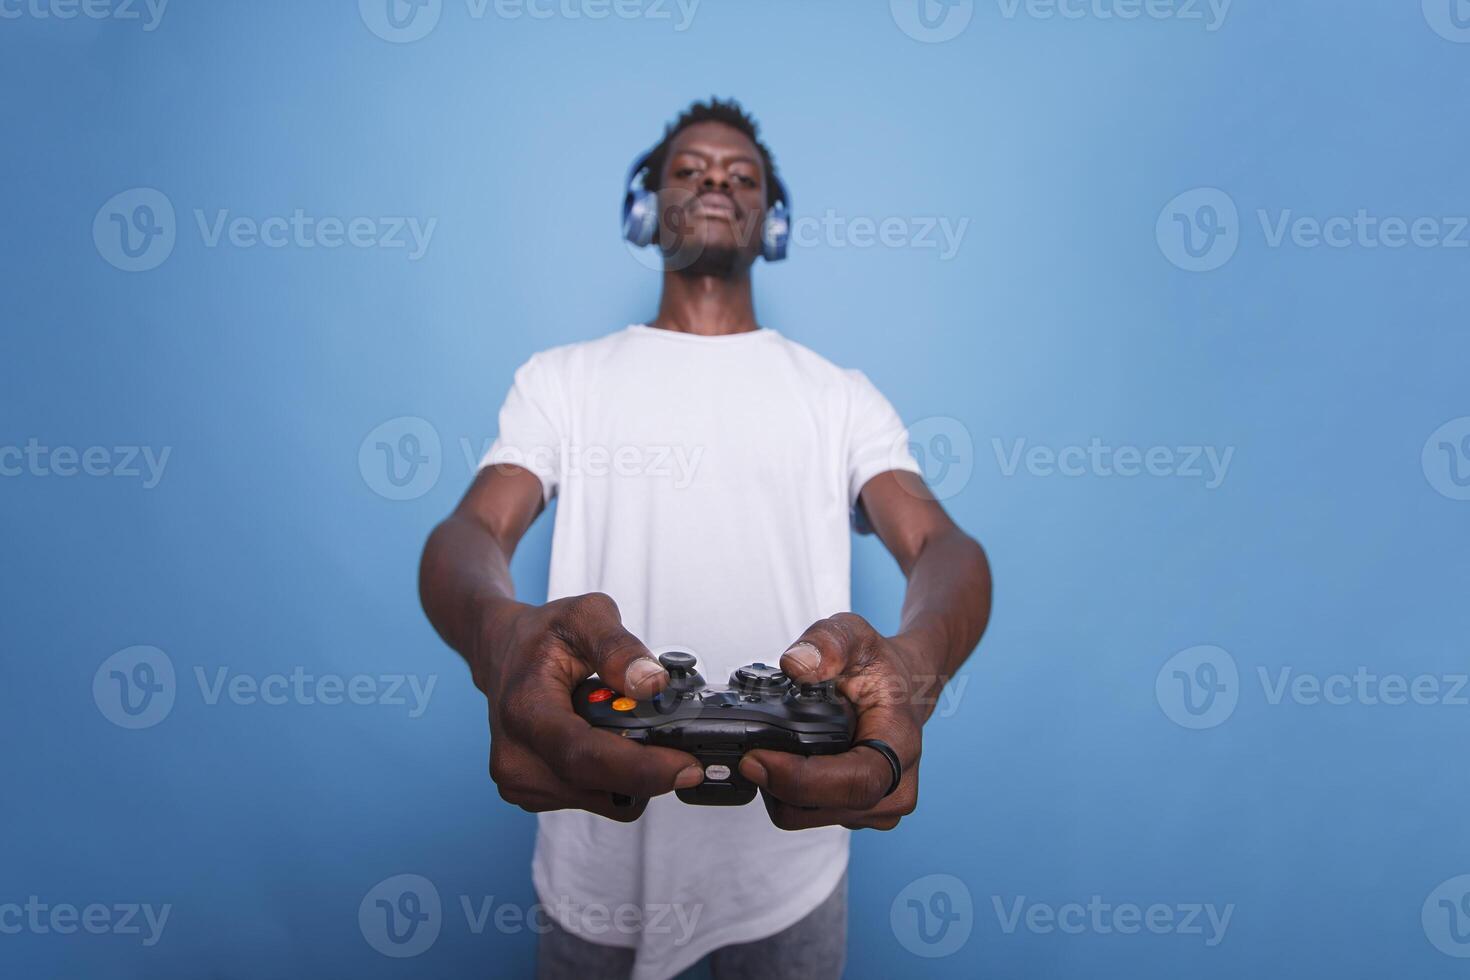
(761, 708)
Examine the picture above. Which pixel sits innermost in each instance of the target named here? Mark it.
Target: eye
(745, 180)
(685, 172)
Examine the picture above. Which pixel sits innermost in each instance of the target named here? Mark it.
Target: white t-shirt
(706, 484)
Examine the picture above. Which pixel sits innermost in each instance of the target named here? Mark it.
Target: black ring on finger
(886, 751)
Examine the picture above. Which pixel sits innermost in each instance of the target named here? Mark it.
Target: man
(706, 469)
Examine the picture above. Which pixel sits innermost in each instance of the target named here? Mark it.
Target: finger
(527, 782)
(595, 759)
(787, 817)
(894, 725)
(592, 628)
(854, 780)
(828, 648)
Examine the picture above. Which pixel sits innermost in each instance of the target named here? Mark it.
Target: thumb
(594, 630)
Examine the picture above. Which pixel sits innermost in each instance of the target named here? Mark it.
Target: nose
(716, 178)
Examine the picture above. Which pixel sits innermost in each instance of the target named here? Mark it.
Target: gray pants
(812, 949)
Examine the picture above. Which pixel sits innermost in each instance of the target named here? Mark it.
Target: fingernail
(802, 657)
(753, 771)
(689, 777)
(641, 673)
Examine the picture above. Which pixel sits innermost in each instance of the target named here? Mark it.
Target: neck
(707, 305)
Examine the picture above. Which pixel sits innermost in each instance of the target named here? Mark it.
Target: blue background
(265, 547)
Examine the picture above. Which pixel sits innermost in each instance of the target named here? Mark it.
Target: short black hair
(727, 111)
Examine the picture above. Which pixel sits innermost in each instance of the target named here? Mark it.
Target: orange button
(624, 704)
(601, 694)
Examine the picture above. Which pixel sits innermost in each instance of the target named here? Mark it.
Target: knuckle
(788, 782)
(515, 712)
(568, 758)
(597, 606)
(866, 789)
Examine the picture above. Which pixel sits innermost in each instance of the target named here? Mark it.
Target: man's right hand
(543, 756)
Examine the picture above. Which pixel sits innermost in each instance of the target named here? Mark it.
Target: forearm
(945, 608)
(465, 582)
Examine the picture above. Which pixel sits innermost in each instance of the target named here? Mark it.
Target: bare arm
(947, 603)
(893, 681)
(527, 659)
(464, 575)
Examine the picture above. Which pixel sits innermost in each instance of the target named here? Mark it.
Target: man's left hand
(876, 674)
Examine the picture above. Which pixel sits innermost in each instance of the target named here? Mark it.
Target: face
(712, 201)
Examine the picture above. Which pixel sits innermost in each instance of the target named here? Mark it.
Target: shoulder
(563, 360)
(820, 370)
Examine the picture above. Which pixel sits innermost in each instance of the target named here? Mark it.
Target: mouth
(718, 205)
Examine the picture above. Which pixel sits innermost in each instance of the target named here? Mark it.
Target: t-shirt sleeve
(532, 425)
(878, 441)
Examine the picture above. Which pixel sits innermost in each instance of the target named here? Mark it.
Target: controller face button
(624, 704)
(601, 694)
(717, 773)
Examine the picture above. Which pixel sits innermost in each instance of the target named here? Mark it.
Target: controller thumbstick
(682, 675)
(816, 692)
(757, 679)
(676, 663)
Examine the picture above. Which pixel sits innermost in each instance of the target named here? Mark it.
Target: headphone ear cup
(776, 234)
(640, 224)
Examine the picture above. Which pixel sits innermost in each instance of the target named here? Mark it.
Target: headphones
(640, 213)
